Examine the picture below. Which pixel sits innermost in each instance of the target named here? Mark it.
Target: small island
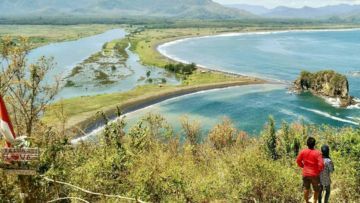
(325, 83)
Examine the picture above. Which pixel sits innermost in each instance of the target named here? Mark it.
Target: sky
(289, 3)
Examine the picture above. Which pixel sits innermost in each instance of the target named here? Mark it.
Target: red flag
(6, 128)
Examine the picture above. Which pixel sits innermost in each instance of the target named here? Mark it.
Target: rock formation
(326, 83)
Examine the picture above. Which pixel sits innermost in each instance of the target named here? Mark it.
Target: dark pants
(327, 193)
(311, 180)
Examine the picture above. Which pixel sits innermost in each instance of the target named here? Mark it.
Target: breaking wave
(327, 115)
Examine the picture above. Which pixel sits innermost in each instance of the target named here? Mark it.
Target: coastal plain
(145, 43)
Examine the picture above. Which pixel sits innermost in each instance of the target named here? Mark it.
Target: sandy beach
(91, 123)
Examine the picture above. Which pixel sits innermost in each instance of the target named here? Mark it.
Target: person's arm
(331, 166)
(299, 160)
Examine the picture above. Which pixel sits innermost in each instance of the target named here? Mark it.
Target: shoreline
(160, 46)
(92, 123)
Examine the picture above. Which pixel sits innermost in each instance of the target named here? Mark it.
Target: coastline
(91, 123)
(160, 46)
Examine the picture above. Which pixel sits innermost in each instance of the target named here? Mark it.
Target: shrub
(223, 135)
(180, 68)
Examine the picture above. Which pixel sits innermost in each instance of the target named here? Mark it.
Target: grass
(83, 109)
(79, 108)
(198, 78)
(143, 43)
(146, 42)
(118, 45)
(76, 70)
(40, 35)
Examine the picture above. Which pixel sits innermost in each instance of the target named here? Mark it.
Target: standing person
(325, 180)
(311, 162)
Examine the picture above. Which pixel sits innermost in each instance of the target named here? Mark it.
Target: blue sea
(276, 56)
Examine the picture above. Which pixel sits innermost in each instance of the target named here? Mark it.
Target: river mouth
(86, 70)
(249, 106)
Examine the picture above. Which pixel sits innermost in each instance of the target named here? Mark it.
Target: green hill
(199, 9)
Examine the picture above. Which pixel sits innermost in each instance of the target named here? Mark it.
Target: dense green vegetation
(161, 22)
(90, 105)
(326, 83)
(330, 76)
(180, 68)
(159, 13)
(152, 163)
(199, 9)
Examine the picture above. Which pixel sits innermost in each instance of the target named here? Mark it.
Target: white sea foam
(330, 116)
(93, 133)
(295, 115)
(354, 73)
(335, 102)
(162, 48)
(234, 34)
(101, 128)
(353, 118)
(355, 106)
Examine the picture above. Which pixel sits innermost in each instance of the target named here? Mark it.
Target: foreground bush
(151, 163)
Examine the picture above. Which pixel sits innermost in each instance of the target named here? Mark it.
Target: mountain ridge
(121, 8)
(306, 12)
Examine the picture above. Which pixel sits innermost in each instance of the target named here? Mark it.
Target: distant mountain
(334, 11)
(120, 8)
(257, 10)
(309, 12)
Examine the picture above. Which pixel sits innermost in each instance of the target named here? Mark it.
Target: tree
(148, 73)
(285, 139)
(191, 130)
(26, 93)
(271, 139)
(180, 68)
(23, 85)
(223, 135)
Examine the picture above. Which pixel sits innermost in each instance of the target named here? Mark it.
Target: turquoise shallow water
(276, 56)
(248, 107)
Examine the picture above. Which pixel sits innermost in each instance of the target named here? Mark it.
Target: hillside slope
(342, 11)
(119, 8)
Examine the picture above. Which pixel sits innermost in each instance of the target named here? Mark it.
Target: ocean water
(278, 56)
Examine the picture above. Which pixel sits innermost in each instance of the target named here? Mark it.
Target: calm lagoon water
(275, 56)
(69, 54)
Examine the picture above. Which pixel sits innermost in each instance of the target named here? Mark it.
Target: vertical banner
(6, 128)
